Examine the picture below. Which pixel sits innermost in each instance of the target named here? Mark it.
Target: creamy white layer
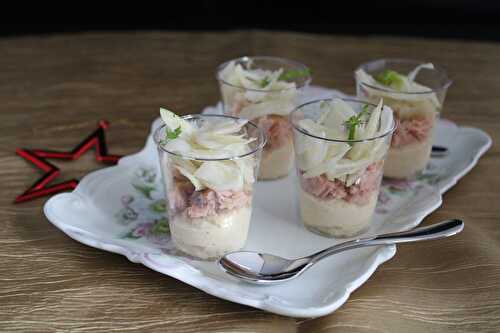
(336, 217)
(277, 163)
(212, 236)
(405, 162)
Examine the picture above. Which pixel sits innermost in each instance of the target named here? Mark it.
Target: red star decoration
(38, 157)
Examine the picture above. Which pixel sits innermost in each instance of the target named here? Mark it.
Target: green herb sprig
(174, 134)
(289, 75)
(265, 82)
(354, 121)
(293, 74)
(391, 79)
(262, 83)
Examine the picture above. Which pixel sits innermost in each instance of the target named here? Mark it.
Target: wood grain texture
(54, 89)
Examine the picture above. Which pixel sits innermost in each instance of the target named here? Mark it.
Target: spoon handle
(434, 231)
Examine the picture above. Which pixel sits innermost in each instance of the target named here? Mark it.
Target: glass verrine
(340, 169)
(417, 105)
(209, 200)
(265, 90)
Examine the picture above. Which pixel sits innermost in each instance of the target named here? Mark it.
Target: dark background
(423, 18)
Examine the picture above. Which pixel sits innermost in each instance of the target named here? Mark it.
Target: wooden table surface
(54, 89)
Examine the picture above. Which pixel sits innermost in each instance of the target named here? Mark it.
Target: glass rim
(437, 68)
(261, 137)
(275, 59)
(305, 132)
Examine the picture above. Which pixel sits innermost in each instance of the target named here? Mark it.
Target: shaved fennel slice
(358, 150)
(336, 152)
(311, 151)
(378, 150)
(192, 178)
(228, 73)
(246, 79)
(334, 120)
(273, 78)
(342, 108)
(413, 74)
(255, 96)
(386, 119)
(273, 90)
(426, 94)
(279, 106)
(178, 145)
(346, 167)
(188, 165)
(209, 154)
(217, 141)
(237, 149)
(364, 77)
(373, 122)
(412, 91)
(224, 126)
(247, 167)
(370, 130)
(173, 121)
(220, 175)
(418, 95)
(207, 140)
(312, 156)
(283, 85)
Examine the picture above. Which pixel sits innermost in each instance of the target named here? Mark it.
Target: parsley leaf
(173, 134)
(351, 125)
(354, 121)
(265, 82)
(262, 83)
(293, 74)
(391, 79)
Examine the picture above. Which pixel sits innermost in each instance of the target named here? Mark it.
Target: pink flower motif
(398, 184)
(126, 200)
(383, 198)
(141, 230)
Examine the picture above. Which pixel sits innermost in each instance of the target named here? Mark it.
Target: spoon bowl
(246, 265)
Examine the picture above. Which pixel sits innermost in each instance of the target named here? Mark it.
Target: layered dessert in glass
(340, 147)
(209, 165)
(265, 90)
(416, 92)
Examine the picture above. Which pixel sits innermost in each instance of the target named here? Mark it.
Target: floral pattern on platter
(145, 209)
(157, 231)
(392, 188)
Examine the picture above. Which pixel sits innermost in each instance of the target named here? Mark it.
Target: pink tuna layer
(207, 202)
(411, 131)
(277, 128)
(359, 193)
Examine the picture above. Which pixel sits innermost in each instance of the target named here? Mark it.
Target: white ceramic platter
(121, 209)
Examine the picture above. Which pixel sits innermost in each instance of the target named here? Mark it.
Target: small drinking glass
(416, 113)
(267, 108)
(206, 223)
(337, 191)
